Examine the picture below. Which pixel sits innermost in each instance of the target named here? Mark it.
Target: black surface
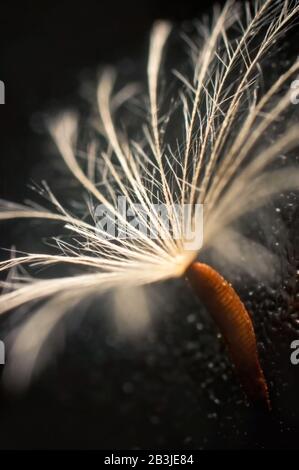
(174, 386)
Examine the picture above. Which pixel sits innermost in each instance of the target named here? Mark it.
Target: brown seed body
(235, 325)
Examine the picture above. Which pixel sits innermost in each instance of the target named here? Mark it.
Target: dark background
(174, 387)
(44, 49)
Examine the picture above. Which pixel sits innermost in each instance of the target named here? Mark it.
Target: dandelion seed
(217, 160)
